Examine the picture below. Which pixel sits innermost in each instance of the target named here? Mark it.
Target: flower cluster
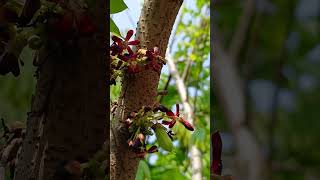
(56, 22)
(125, 60)
(152, 120)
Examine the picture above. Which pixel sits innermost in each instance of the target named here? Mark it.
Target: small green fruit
(163, 138)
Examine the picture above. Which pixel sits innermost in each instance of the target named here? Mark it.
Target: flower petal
(129, 35)
(172, 123)
(162, 108)
(123, 58)
(170, 113)
(177, 110)
(166, 122)
(186, 124)
(150, 55)
(134, 43)
(116, 39)
(130, 50)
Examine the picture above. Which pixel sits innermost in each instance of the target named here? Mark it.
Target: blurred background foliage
(279, 66)
(16, 92)
(190, 48)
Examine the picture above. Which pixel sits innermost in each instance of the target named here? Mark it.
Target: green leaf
(117, 6)
(163, 138)
(114, 28)
(143, 172)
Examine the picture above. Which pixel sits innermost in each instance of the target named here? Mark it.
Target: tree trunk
(68, 114)
(154, 29)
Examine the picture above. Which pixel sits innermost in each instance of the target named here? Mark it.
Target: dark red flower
(128, 57)
(161, 108)
(115, 49)
(153, 58)
(125, 44)
(152, 54)
(134, 68)
(174, 117)
(186, 124)
(136, 143)
(216, 164)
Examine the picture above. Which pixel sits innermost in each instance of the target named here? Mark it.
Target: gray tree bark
(68, 115)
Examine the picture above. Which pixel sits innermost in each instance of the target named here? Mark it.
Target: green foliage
(15, 92)
(116, 6)
(114, 28)
(277, 38)
(143, 172)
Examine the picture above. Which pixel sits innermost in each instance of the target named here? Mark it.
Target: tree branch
(229, 87)
(241, 30)
(195, 153)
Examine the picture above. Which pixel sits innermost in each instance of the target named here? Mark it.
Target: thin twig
(165, 87)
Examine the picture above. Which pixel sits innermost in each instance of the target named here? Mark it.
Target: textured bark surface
(154, 29)
(68, 114)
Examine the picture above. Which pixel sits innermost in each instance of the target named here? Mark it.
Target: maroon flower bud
(186, 124)
(161, 108)
(141, 137)
(152, 149)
